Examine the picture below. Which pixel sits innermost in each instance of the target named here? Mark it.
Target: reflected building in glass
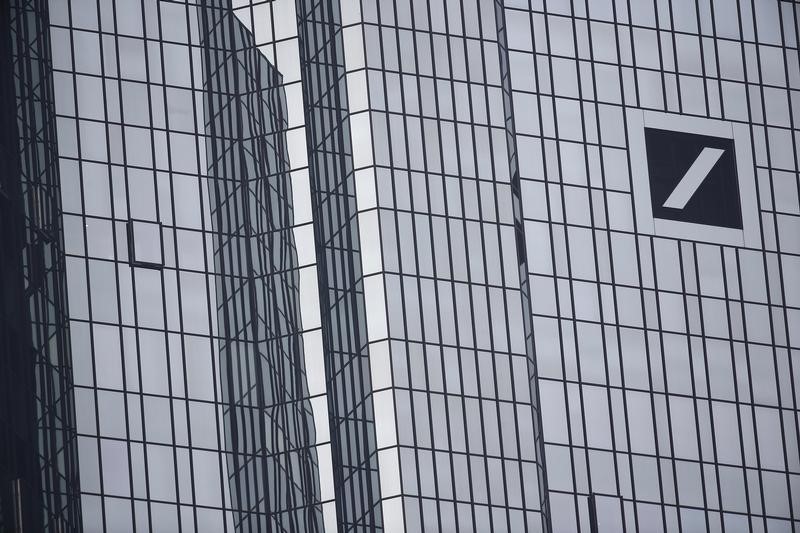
(440, 265)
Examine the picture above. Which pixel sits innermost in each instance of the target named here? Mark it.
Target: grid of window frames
(36, 337)
(146, 237)
(333, 138)
(668, 368)
(445, 310)
(148, 401)
(268, 417)
(275, 29)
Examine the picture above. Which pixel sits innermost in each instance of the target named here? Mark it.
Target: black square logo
(693, 178)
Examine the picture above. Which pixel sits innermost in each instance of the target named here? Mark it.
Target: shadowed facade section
(38, 459)
(269, 427)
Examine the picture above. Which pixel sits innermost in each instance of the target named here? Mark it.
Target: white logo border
(750, 235)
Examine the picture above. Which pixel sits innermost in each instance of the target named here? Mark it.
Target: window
(145, 245)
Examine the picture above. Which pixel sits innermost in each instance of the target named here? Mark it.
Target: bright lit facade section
(666, 342)
(453, 407)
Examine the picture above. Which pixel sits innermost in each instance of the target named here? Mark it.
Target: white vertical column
(372, 269)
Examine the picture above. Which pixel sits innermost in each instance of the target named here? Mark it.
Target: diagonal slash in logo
(693, 178)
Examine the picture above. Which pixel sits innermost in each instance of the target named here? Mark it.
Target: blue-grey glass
(498, 333)
(39, 468)
(268, 419)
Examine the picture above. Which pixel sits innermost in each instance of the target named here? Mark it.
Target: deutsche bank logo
(693, 178)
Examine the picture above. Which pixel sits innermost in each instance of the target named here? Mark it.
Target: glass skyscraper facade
(665, 321)
(395, 265)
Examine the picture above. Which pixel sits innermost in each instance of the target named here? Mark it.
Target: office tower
(38, 447)
(658, 161)
(441, 265)
(191, 404)
(418, 222)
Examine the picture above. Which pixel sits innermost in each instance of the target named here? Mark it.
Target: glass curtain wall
(668, 367)
(268, 418)
(193, 407)
(425, 265)
(39, 453)
(414, 169)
